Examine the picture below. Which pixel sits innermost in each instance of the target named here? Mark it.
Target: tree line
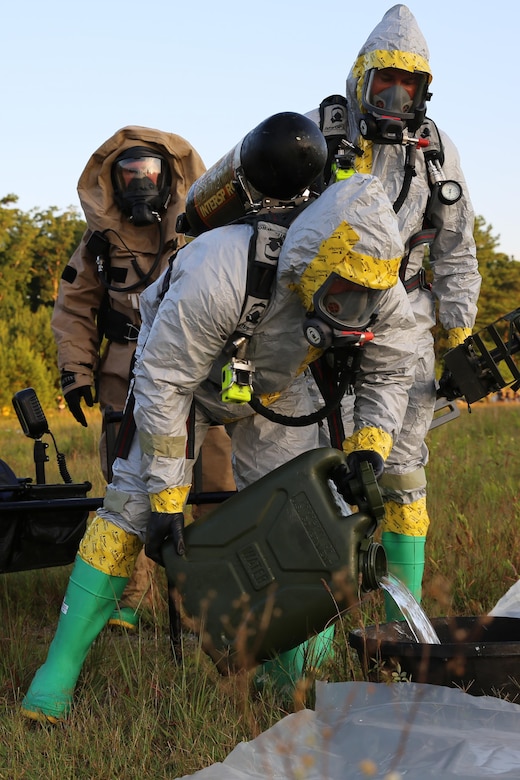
(35, 247)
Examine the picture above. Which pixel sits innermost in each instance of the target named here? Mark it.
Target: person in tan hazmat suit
(132, 190)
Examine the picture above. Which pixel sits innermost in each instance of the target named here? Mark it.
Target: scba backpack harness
(341, 163)
(333, 375)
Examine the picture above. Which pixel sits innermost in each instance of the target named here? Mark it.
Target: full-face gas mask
(141, 178)
(343, 313)
(391, 109)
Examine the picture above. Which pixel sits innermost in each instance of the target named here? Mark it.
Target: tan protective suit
(104, 361)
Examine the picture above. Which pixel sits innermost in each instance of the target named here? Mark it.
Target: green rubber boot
(124, 617)
(288, 667)
(88, 603)
(405, 555)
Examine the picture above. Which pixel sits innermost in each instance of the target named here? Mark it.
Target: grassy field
(140, 715)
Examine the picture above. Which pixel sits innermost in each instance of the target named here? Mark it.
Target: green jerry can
(277, 562)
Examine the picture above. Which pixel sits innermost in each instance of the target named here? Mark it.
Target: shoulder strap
(269, 231)
(168, 273)
(264, 252)
(435, 148)
(333, 124)
(333, 120)
(434, 152)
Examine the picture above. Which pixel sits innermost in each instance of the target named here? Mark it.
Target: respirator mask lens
(141, 182)
(345, 305)
(139, 173)
(383, 96)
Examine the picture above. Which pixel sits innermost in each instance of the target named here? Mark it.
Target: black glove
(163, 526)
(73, 395)
(348, 477)
(447, 388)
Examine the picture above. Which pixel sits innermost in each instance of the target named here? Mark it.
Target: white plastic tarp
(509, 604)
(369, 730)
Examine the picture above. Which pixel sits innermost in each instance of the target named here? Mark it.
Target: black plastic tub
(481, 655)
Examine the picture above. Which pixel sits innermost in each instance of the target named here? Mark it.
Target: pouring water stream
(418, 622)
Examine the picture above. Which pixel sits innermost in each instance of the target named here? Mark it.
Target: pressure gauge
(449, 192)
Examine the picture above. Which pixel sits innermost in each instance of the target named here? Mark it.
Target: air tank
(279, 159)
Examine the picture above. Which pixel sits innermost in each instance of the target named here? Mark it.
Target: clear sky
(73, 73)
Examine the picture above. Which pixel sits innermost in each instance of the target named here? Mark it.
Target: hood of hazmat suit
(96, 191)
(396, 42)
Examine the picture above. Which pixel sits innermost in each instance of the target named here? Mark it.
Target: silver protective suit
(182, 337)
(456, 280)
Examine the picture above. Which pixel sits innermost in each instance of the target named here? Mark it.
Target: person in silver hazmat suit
(391, 137)
(341, 249)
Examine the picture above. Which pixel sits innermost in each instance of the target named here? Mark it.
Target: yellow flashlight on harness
(339, 173)
(237, 381)
(343, 166)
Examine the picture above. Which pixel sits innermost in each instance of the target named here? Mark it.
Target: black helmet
(141, 178)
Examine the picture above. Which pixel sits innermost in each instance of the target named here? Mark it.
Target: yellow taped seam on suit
(406, 519)
(109, 549)
(457, 335)
(170, 500)
(384, 58)
(369, 439)
(336, 254)
(266, 399)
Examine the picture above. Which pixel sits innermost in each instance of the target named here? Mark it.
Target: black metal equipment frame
(41, 525)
